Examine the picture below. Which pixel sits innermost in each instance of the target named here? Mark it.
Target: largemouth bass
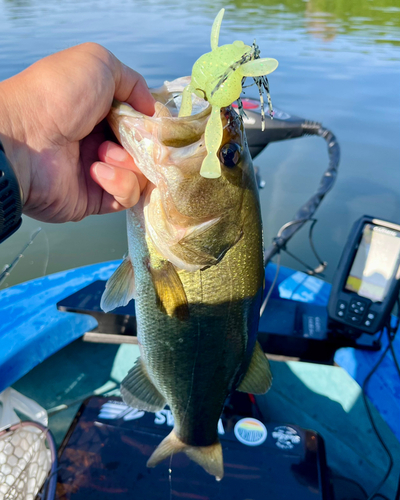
(195, 269)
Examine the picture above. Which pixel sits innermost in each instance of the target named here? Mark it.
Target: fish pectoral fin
(171, 296)
(202, 244)
(208, 457)
(138, 391)
(258, 377)
(120, 288)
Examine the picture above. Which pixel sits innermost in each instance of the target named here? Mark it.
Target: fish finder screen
(376, 262)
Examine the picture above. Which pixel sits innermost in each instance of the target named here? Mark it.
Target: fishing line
(196, 355)
(47, 253)
(172, 99)
(170, 477)
(264, 304)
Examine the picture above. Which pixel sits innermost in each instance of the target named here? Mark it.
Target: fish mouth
(164, 138)
(183, 211)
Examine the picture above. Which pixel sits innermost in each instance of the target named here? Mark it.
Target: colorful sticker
(286, 437)
(250, 431)
(166, 417)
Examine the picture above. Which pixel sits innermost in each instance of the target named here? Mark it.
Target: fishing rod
(9, 267)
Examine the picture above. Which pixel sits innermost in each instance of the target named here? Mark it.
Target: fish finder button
(357, 307)
(353, 319)
(341, 308)
(370, 318)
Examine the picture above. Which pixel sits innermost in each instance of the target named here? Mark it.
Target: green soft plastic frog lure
(217, 76)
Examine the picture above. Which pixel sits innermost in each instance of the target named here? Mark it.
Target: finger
(121, 183)
(132, 88)
(114, 154)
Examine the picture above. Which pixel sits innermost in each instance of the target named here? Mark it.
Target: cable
(392, 335)
(379, 437)
(322, 263)
(391, 338)
(309, 270)
(391, 332)
(306, 211)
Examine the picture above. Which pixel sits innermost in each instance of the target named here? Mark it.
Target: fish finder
(367, 281)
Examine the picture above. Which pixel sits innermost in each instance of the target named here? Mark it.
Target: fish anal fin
(138, 391)
(120, 287)
(171, 296)
(258, 377)
(208, 457)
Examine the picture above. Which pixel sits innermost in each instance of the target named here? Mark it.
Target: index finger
(131, 87)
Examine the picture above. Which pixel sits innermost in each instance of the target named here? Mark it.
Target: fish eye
(229, 154)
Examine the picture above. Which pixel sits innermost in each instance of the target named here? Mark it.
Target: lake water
(339, 64)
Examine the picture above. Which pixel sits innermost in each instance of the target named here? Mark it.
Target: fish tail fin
(208, 457)
(168, 446)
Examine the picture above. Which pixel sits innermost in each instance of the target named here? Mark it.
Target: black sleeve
(10, 198)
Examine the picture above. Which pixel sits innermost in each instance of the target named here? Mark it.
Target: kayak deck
(319, 397)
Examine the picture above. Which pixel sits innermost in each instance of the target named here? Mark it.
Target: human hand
(53, 129)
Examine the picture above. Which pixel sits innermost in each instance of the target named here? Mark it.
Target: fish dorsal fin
(120, 288)
(171, 296)
(209, 457)
(138, 391)
(258, 377)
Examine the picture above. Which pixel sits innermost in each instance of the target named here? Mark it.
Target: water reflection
(339, 64)
(324, 17)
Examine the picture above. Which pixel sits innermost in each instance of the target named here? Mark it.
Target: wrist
(10, 198)
(11, 194)
(13, 136)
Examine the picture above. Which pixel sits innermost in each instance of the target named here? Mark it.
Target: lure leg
(186, 105)
(211, 167)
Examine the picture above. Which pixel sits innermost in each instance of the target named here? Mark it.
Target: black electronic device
(367, 281)
(283, 125)
(104, 456)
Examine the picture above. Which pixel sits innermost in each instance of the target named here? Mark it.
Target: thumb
(131, 87)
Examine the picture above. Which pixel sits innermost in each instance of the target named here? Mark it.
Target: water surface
(339, 64)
